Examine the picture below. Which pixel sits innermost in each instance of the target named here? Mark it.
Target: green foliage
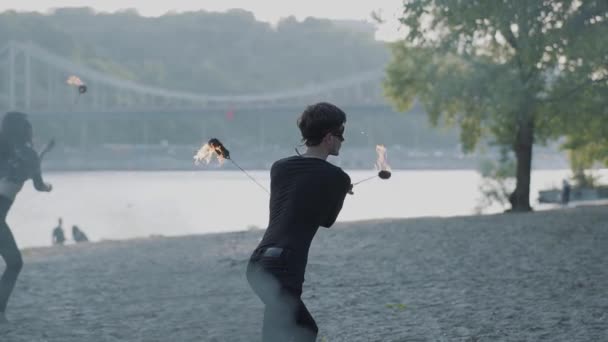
(203, 52)
(498, 181)
(583, 119)
(500, 69)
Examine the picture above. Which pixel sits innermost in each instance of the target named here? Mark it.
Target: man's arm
(338, 190)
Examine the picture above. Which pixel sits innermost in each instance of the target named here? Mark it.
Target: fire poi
(77, 82)
(80, 86)
(384, 174)
(214, 147)
(381, 165)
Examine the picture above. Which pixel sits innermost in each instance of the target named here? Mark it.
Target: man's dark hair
(319, 119)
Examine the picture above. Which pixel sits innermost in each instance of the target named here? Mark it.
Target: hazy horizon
(268, 11)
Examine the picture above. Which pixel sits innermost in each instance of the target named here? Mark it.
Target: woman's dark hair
(16, 129)
(319, 119)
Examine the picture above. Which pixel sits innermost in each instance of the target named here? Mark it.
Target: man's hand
(350, 190)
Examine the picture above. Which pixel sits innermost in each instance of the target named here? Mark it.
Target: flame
(382, 161)
(74, 81)
(206, 153)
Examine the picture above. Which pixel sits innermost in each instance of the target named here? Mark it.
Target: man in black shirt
(306, 192)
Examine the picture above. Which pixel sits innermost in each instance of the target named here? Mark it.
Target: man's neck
(315, 152)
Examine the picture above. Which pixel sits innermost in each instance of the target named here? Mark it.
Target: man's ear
(326, 138)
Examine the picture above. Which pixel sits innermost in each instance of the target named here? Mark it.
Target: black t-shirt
(17, 165)
(305, 193)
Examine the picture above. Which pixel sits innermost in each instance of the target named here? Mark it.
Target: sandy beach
(511, 277)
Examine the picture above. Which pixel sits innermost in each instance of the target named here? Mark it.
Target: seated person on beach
(79, 235)
(565, 196)
(58, 234)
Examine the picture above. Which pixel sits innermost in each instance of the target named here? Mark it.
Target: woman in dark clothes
(18, 163)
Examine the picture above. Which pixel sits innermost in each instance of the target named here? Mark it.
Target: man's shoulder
(341, 173)
(298, 161)
(285, 160)
(282, 162)
(308, 164)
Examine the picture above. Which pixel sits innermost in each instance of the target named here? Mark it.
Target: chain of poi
(248, 175)
(223, 152)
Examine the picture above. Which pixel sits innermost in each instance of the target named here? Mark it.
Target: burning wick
(381, 165)
(215, 147)
(219, 148)
(384, 174)
(77, 82)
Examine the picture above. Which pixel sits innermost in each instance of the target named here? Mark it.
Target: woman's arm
(36, 172)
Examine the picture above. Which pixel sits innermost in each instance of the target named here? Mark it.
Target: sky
(264, 10)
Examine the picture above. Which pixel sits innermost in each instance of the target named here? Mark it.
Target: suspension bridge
(35, 82)
(120, 123)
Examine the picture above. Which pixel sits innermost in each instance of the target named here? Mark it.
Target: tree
(583, 104)
(493, 67)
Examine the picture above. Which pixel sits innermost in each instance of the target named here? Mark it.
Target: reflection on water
(119, 205)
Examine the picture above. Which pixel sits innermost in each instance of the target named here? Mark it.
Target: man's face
(336, 138)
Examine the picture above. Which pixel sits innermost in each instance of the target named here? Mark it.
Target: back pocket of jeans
(273, 264)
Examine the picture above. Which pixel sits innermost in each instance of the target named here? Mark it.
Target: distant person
(78, 235)
(59, 234)
(18, 163)
(306, 191)
(566, 189)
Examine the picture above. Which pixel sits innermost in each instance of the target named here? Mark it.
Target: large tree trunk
(520, 198)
